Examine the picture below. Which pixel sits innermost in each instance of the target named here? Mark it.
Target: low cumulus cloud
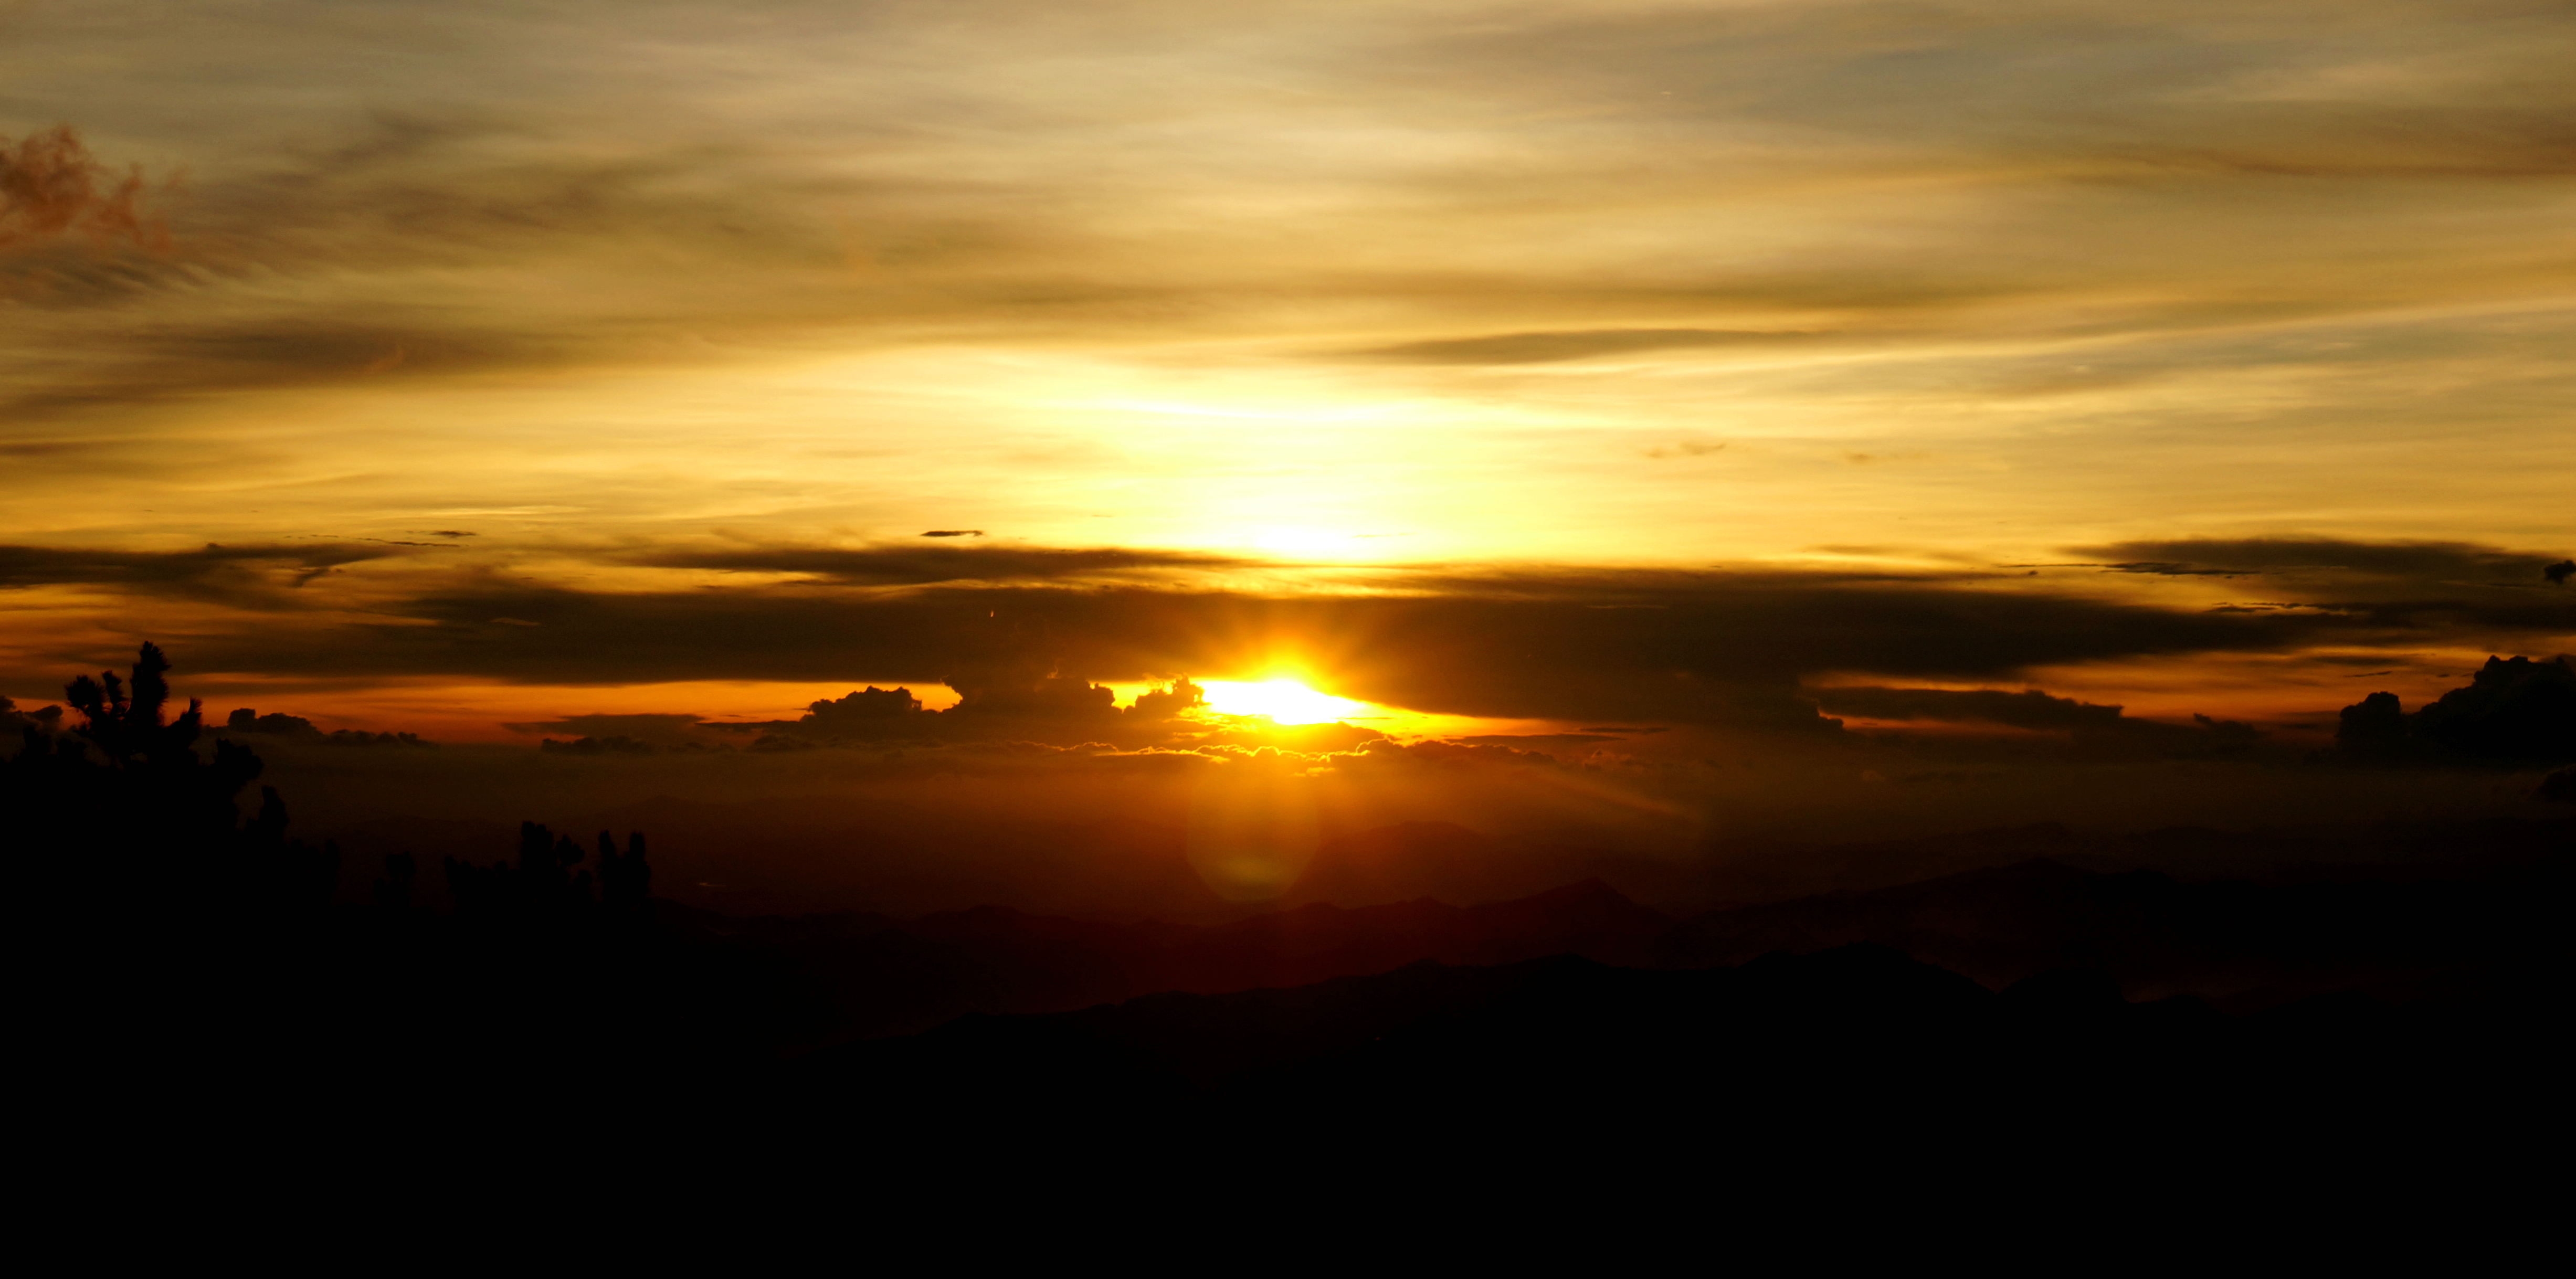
(2516, 711)
(247, 722)
(996, 701)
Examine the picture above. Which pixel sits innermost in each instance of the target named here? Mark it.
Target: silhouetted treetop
(126, 810)
(538, 887)
(126, 722)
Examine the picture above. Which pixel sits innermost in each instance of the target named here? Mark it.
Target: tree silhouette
(127, 814)
(393, 892)
(538, 888)
(624, 881)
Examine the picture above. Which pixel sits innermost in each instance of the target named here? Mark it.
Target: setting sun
(1285, 701)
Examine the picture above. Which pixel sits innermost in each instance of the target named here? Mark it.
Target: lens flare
(1284, 701)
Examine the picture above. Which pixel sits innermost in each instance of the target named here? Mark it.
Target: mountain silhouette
(1786, 1061)
(880, 975)
(2155, 935)
(1409, 860)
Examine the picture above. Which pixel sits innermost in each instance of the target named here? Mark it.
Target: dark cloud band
(1731, 647)
(914, 564)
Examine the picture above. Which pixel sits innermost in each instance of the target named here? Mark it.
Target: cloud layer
(1739, 648)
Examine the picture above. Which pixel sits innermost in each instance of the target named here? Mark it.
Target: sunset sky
(1505, 367)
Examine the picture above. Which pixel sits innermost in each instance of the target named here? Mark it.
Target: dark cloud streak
(214, 569)
(1715, 648)
(2029, 708)
(909, 565)
(2400, 586)
(2461, 561)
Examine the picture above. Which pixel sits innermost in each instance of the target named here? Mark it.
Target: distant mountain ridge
(1801, 1057)
(2139, 933)
(882, 976)
(739, 860)
(2156, 936)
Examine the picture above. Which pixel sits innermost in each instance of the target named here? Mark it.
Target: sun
(1285, 701)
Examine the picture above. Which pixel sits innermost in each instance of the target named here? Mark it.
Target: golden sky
(435, 366)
